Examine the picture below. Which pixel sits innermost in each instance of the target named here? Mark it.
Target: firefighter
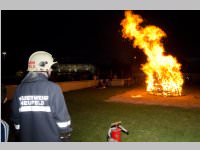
(39, 112)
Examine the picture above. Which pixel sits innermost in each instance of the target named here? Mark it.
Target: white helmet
(40, 61)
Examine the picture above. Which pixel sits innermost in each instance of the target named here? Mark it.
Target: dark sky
(94, 36)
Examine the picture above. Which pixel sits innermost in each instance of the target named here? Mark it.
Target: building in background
(73, 72)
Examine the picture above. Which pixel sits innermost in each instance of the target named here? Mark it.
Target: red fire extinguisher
(114, 132)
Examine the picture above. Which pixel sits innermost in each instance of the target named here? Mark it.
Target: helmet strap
(48, 73)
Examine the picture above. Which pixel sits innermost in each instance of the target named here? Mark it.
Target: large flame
(163, 75)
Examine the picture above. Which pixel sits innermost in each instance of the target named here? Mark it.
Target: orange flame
(163, 75)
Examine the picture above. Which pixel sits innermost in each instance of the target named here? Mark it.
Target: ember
(163, 75)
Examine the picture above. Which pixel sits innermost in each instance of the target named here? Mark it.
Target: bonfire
(163, 72)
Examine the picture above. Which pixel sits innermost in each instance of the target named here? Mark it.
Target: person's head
(40, 61)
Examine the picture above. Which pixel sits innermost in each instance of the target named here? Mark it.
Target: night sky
(94, 36)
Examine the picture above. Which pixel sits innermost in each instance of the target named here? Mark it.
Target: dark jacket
(39, 111)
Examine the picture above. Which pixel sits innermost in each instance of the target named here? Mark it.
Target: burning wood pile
(163, 75)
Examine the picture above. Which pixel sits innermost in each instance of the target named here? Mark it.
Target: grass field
(91, 118)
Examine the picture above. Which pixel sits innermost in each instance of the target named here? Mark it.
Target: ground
(92, 111)
(138, 95)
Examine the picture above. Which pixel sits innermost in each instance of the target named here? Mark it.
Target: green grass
(91, 118)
